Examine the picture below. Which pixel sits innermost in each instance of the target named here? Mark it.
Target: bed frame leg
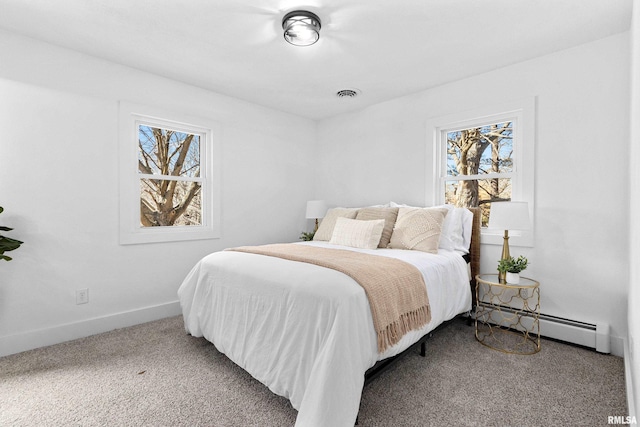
(423, 349)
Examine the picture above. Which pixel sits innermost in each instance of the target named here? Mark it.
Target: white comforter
(306, 331)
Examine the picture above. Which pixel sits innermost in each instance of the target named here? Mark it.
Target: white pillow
(450, 227)
(467, 228)
(357, 233)
(456, 229)
(393, 204)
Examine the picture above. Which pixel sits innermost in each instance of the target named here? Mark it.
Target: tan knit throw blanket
(396, 289)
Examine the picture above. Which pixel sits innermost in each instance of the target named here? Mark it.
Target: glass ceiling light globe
(301, 28)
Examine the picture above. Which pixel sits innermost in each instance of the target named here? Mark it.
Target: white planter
(513, 278)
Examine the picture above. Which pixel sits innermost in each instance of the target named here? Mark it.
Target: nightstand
(507, 316)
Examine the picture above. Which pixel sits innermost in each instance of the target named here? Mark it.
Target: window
(169, 178)
(479, 166)
(485, 156)
(170, 181)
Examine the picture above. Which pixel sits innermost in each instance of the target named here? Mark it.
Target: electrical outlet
(82, 296)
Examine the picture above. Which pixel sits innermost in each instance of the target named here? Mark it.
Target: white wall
(58, 181)
(633, 352)
(59, 188)
(581, 174)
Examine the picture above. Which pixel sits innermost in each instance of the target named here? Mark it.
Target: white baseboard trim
(18, 343)
(628, 379)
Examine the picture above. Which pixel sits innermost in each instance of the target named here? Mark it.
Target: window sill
(158, 235)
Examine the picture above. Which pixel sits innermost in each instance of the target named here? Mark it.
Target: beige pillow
(357, 234)
(325, 229)
(388, 214)
(418, 229)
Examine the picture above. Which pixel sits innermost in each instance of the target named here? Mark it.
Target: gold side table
(507, 316)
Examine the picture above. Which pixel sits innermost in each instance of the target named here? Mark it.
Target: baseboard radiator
(590, 335)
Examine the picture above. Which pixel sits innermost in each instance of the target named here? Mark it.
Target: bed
(306, 331)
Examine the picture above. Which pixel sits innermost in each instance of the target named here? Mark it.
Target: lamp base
(502, 276)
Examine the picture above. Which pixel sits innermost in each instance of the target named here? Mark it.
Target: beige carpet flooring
(156, 375)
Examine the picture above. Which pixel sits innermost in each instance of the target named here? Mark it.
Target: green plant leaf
(6, 243)
(513, 265)
(307, 236)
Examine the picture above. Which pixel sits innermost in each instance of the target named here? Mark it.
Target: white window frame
(522, 114)
(131, 232)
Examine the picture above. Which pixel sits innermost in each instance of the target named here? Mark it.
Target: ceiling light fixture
(301, 28)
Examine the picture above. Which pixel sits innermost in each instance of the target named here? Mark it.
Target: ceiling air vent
(347, 93)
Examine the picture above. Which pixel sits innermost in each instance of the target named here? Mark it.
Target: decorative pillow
(357, 234)
(325, 229)
(389, 216)
(467, 228)
(418, 229)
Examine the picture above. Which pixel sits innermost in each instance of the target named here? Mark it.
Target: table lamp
(508, 216)
(316, 209)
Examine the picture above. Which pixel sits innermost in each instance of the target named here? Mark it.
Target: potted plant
(307, 236)
(512, 267)
(6, 243)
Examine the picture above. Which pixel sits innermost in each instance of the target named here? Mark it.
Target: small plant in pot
(307, 236)
(512, 267)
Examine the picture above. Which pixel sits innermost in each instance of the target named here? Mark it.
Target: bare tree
(466, 148)
(467, 156)
(164, 201)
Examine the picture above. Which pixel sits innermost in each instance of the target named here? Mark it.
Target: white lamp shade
(509, 216)
(316, 209)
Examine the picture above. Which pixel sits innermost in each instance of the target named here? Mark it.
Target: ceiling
(383, 48)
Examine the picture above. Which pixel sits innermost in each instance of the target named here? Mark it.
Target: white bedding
(306, 331)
